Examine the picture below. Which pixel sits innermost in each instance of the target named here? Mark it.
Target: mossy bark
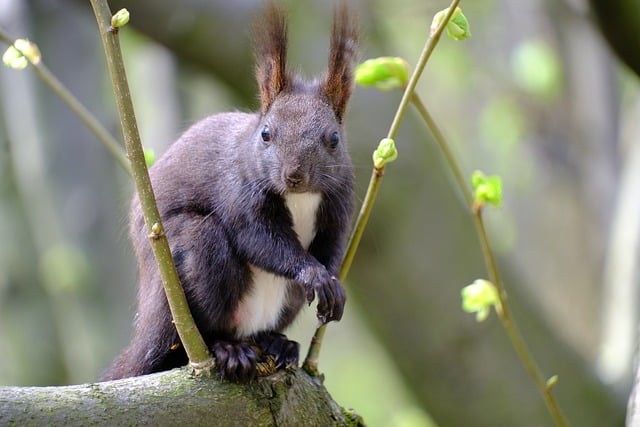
(176, 398)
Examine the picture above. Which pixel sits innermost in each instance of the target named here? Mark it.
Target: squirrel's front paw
(331, 297)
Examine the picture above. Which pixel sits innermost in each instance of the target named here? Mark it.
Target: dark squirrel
(256, 208)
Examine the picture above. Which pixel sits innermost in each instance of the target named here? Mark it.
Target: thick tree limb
(175, 398)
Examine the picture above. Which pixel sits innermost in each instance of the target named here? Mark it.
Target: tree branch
(311, 361)
(176, 398)
(47, 77)
(545, 388)
(190, 337)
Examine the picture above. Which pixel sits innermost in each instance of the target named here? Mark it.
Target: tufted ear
(271, 54)
(343, 56)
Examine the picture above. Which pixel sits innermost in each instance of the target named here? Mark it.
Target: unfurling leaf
(18, 55)
(486, 189)
(385, 153)
(457, 27)
(384, 73)
(479, 297)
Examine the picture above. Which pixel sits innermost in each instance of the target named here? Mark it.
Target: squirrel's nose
(293, 178)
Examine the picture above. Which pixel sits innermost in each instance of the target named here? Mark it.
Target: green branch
(191, 339)
(504, 313)
(444, 148)
(43, 73)
(513, 332)
(311, 361)
(386, 73)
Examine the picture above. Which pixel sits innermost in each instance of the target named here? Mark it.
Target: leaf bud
(479, 297)
(486, 189)
(385, 153)
(384, 73)
(120, 19)
(18, 55)
(149, 157)
(457, 27)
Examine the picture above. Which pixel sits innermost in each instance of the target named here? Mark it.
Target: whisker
(204, 218)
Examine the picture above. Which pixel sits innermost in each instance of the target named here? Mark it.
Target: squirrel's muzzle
(295, 179)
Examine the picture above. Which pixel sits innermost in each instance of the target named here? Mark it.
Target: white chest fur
(303, 208)
(259, 310)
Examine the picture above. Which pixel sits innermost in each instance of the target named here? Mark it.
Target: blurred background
(537, 95)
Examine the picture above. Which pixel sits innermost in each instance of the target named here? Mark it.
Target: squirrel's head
(301, 131)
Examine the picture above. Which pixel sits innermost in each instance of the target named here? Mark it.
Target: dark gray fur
(220, 191)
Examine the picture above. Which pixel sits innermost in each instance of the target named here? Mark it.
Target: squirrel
(256, 208)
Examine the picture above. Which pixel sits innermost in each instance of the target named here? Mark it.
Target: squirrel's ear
(271, 54)
(343, 56)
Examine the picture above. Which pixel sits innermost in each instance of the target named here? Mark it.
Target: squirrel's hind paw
(285, 352)
(235, 360)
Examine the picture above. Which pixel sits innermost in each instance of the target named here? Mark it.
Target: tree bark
(175, 398)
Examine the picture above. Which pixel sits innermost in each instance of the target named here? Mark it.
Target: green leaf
(385, 153)
(457, 27)
(479, 297)
(486, 189)
(18, 55)
(383, 73)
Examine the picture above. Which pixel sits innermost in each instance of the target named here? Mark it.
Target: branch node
(156, 231)
(202, 368)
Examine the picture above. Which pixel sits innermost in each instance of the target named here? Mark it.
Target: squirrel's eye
(334, 140)
(266, 133)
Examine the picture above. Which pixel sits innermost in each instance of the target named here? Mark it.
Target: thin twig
(444, 148)
(504, 313)
(47, 77)
(517, 341)
(311, 361)
(191, 339)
